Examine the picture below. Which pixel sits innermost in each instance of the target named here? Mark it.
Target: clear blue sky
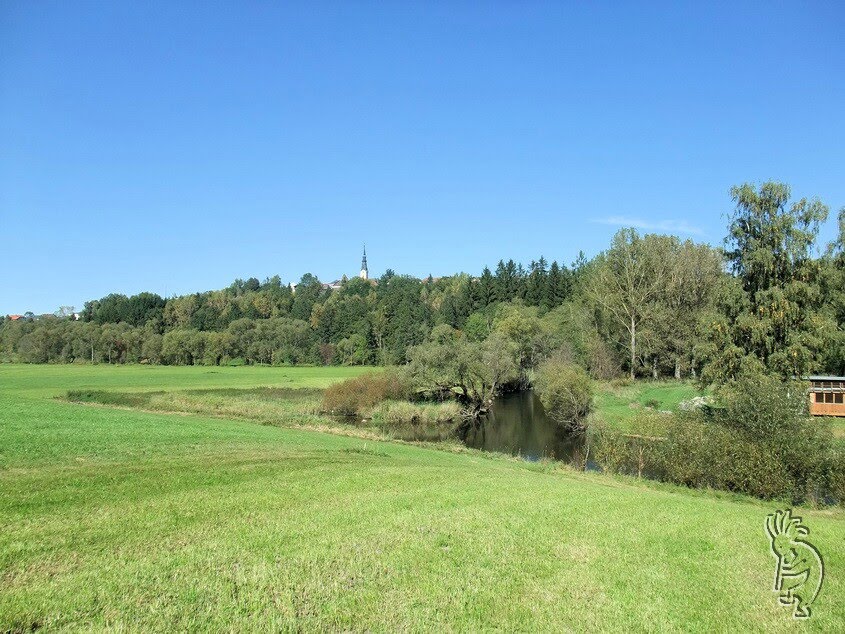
(176, 146)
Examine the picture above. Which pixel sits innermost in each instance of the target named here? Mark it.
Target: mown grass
(56, 380)
(128, 520)
(616, 403)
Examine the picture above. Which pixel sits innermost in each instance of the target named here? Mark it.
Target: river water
(517, 424)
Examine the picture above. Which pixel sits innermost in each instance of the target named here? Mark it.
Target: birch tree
(626, 282)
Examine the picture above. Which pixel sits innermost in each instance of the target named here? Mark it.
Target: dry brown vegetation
(362, 393)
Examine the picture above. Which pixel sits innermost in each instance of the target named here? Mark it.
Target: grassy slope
(125, 519)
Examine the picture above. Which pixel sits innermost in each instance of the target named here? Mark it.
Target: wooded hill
(648, 305)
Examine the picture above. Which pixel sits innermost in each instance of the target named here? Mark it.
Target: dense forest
(771, 299)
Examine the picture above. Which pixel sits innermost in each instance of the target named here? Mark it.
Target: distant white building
(337, 284)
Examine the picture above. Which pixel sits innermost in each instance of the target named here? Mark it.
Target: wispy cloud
(666, 226)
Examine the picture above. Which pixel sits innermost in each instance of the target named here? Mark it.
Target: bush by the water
(419, 421)
(637, 452)
(759, 440)
(450, 366)
(403, 412)
(361, 394)
(565, 390)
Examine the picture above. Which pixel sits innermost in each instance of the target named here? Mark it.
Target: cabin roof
(824, 377)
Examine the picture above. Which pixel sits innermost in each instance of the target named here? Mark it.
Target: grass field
(56, 380)
(618, 404)
(129, 520)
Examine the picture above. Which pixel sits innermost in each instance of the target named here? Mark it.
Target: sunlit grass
(616, 403)
(56, 380)
(127, 520)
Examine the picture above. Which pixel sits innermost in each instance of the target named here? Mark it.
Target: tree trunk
(640, 462)
(633, 347)
(678, 368)
(654, 367)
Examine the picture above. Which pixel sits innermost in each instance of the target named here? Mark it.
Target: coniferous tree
(782, 328)
(485, 290)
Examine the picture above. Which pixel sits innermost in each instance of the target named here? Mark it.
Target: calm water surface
(518, 425)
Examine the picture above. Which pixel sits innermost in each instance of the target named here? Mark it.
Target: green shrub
(608, 448)
(836, 484)
(759, 441)
(475, 372)
(773, 415)
(359, 395)
(565, 391)
(699, 454)
(638, 451)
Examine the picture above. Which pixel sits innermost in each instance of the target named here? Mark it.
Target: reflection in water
(518, 425)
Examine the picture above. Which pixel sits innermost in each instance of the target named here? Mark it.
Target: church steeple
(364, 273)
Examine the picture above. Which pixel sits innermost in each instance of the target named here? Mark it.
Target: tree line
(770, 300)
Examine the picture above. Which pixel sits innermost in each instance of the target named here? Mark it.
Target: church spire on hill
(364, 272)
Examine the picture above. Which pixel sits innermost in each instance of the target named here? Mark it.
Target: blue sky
(174, 147)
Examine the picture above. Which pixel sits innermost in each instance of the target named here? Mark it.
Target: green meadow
(113, 518)
(618, 402)
(56, 380)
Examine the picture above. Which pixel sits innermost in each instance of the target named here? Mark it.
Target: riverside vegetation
(754, 438)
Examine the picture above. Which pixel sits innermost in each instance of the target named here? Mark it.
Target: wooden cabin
(827, 395)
